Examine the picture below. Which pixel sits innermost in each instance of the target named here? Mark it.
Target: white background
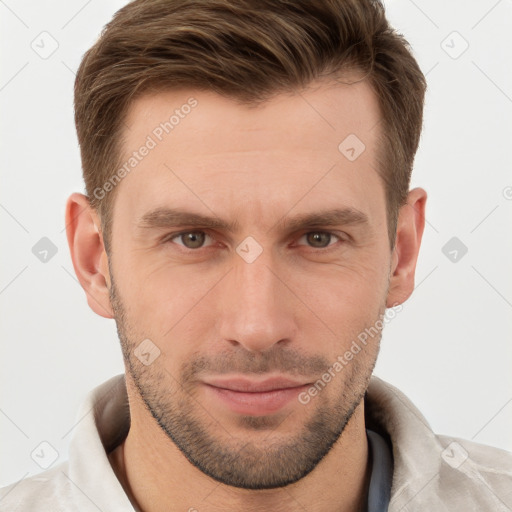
(449, 349)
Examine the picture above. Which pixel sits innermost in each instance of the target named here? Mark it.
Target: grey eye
(318, 239)
(191, 239)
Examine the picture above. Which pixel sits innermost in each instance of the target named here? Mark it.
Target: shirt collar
(104, 421)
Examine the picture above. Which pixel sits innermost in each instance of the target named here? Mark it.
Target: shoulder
(450, 473)
(49, 490)
(474, 474)
(432, 471)
(457, 451)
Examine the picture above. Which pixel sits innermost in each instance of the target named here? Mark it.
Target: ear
(90, 261)
(410, 225)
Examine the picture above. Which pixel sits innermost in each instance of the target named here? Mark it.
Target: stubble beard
(280, 458)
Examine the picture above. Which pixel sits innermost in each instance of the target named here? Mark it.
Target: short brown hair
(247, 50)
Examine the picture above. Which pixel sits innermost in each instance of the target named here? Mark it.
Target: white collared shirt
(430, 472)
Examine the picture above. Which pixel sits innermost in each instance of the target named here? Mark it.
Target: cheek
(345, 300)
(167, 301)
(344, 287)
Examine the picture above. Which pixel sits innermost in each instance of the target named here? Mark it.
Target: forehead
(212, 153)
(326, 110)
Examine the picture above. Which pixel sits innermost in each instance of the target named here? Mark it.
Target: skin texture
(291, 312)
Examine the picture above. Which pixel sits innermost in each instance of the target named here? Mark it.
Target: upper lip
(251, 386)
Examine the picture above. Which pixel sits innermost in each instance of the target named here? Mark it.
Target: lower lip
(255, 404)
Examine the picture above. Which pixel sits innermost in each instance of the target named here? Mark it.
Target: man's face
(264, 299)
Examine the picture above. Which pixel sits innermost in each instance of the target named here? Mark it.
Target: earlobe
(410, 226)
(88, 253)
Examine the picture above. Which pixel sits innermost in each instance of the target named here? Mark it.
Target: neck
(157, 477)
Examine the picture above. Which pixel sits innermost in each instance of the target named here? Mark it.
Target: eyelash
(171, 236)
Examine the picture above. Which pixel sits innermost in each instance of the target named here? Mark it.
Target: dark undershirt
(379, 491)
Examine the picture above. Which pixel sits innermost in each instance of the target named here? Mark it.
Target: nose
(256, 307)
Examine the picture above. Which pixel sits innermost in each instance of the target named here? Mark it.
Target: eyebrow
(160, 218)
